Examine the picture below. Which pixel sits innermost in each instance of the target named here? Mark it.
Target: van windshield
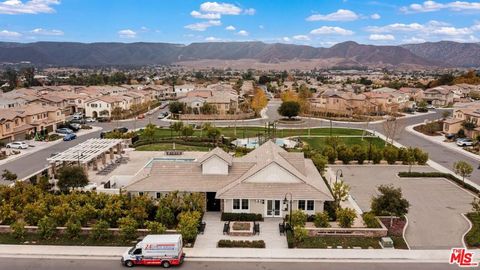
(130, 251)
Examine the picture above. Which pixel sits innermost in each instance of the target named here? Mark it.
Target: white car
(90, 120)
(17, 145)
(464, 142)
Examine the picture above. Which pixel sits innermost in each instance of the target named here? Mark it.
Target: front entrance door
(273, 208)
(213, 205)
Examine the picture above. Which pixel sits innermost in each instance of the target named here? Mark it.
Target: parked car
(64, 131)
(121, 130)
(464, 142)
(69, 137)
(450, 136)
(75, 126)
(77, 116)
(79, 121)
(17, 145)
(140, 116)
(103, 119)
(163, 115)
(90, 120)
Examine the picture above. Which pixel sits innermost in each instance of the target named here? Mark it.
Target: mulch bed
(397, 226)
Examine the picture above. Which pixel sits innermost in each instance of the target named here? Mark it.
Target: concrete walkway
(214, 232)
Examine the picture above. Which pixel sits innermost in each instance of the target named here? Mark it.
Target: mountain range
(437, 54)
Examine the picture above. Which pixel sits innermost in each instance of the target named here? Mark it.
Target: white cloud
(413, 40)
(249, 11)
(127, 33)
(46, 32)
(210, 16)
(375, 16)
(326, 30)
(243, 33)
(9, 34)
(339, 15)
(202, 26)
(220, 8)
(430, 6)
(213, 39)
(380, 37)
(301, 37)
(286, 39)
(230, 28)
(13, 7)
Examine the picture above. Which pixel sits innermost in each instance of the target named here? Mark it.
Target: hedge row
(241, 217)
(440, 175)
(241, 244)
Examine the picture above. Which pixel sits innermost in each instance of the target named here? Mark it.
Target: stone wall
(363, 232)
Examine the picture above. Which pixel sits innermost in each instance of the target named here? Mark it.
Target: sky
(319, 23)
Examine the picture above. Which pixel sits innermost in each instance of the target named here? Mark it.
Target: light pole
(336, 175)
(285, 201)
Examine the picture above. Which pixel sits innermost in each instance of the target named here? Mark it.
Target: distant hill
(138, 54)
(453, 53)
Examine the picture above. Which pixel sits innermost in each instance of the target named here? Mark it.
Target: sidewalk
(234, 254)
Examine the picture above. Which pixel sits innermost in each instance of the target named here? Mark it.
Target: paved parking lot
(436, 205)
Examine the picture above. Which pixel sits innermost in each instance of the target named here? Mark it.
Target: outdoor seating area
(173, 153)
(110, 167)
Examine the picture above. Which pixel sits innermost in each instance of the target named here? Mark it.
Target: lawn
(169, 146)
(319, 142)
(336, 241)
(246, 132)
(472, 239)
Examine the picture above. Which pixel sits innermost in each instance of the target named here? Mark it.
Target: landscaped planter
(241, 228)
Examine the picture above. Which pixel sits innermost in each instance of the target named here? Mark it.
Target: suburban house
(103, 106)
(223, 100)
(471, 114)
(415, 94)
(255, 183)
(342, 103)
(182, 90)
(440, 96)
(16, 123)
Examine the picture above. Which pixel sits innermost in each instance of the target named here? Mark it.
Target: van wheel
(129, 263)
(165, 264)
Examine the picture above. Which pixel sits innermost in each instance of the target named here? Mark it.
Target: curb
(470, 225)
(405, 231)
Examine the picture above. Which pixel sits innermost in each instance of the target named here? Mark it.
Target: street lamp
(285, 201)
(336, 175)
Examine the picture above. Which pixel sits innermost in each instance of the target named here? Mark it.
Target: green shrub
(128, 228)
(376, 155)
(346, 217)
(370, 220)
(241, 244)
(321, 220)
(74, 227)
(100, 230)
(299, 218)
(330, 153)
(46, 227)
(18, 229)
(165, 216)
(241, 217)
(320, 162)
(420, 156)
(300, 233)
(390, 154)
(155, 227)
(290, 239)
(345, 155)
(188, 225)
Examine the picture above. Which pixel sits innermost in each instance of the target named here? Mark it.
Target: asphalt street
(34, 162)
(85, 264)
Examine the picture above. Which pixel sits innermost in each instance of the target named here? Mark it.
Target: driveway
(436, 205)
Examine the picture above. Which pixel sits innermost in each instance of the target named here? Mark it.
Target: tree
(321, 220)
(18, 229)
(463, 169)
(117, 113)
(320, 162)
(176, 107)
(165, 215)
(154, 227)
(8, 175)
(100, 230)
(340, 192)
(128, 228)
(46, 227)
(376, 155)
(208, 108)
(346, 217)
(390, 154)
(299, 218)
(259, 100)
(177, 126)
(149, 132)
(289, 109)
(74, 227)
(29, 75)
(72, 177)
(289, 96)
(187, 131)
(188, 225)
(330, 153)
(345, 154)
(214, 134)
(390, 202)
(11, 76)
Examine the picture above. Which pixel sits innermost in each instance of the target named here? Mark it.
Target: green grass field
(473, 236)
(319, 142)
(246, 132)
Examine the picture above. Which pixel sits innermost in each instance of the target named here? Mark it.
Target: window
(308, 205)
(240, 204)
(140, 193)
(159, 195)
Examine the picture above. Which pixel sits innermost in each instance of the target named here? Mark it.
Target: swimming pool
(149, 164)
(254, 143)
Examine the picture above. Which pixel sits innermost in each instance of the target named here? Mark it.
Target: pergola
(88, 152)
